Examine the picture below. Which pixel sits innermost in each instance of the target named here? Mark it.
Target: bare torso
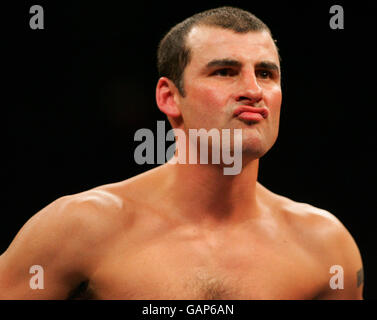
(166, 262)
(154, 255)
(130, 240)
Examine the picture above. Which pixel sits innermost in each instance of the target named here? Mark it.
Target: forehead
(207, 43)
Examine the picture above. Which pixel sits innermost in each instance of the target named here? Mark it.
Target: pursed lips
(251, 113)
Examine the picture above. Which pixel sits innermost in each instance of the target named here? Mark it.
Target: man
(187, 231)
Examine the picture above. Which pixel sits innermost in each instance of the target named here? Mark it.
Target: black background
(75, 93)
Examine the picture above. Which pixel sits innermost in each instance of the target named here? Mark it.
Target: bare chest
(190, 270)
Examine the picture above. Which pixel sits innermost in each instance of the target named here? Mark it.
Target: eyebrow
(268, 65)
(223, 63)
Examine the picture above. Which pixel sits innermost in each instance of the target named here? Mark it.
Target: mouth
(249, 113)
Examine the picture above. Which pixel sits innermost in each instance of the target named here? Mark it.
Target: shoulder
(316, 225)
(88, 215)
(328, 241)
(300, 216)
(97, 203)
(316, 222)
(63, 238)
(71, 224)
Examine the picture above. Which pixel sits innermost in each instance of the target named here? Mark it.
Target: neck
(205, 195)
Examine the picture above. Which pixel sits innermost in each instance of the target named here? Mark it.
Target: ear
(165, 97)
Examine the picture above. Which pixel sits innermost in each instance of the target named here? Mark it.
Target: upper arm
(56, 241)
(343, 262)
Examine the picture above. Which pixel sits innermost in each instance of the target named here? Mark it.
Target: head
(214, 62)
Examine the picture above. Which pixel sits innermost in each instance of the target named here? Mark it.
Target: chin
(253, 153)
(255, 148)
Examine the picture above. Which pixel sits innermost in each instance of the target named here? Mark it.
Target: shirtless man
(189, 231)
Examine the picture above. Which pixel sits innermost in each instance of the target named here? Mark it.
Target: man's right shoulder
(93, 213)
(64, 238)
(81, 221)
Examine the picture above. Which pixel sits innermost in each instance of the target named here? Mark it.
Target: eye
(225, 72)
(264, 74)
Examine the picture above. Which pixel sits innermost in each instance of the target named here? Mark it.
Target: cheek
(207, 99)
(273, 101)
(274, 104)
(200, 105)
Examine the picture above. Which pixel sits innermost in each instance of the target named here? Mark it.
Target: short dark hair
(173, 54)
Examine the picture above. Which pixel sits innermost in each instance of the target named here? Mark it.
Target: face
(229, 71)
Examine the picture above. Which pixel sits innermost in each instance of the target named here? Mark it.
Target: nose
(250, 89)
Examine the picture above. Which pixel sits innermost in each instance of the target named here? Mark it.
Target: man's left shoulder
(320, 224)
(304, 215)
(329, 241)
(317, 225)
